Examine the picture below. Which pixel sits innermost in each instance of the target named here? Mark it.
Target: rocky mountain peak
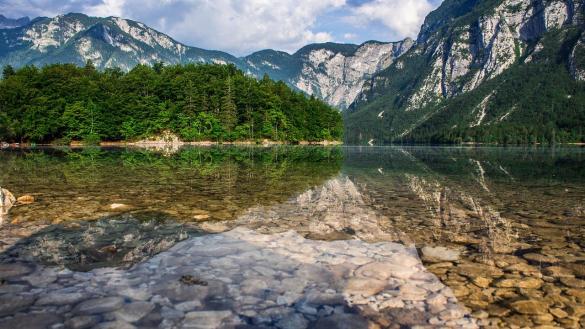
(333, 72)
(462, 46)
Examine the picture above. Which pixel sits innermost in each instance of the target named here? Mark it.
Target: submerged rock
(439, 254)
(11, 304)
(26, 199)
(533, 307)
(99, 305)
(121, 240)
(7, 201)
(275, 280)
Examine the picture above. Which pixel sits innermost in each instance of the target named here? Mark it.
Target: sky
(244, 26)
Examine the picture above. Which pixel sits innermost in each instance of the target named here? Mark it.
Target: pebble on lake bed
(26, 199)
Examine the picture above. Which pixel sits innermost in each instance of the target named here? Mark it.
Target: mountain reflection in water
(299, 238)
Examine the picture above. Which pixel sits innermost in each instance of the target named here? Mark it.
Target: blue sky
(245, 26)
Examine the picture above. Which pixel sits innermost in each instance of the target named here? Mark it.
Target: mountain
(108, 42)
(482, 71)
(333, 72)
(10, 23)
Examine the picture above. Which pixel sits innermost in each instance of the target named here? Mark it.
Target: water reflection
(319, 260)
(300, 238)
(501, 227)
(196, 184)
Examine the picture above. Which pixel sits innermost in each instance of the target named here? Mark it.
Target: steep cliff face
(337, 77)
(461, 46)
(577, 59)
(333, 72)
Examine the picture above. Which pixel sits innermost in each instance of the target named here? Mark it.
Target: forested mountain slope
(482, 71)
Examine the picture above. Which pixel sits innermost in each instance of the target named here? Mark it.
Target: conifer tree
(8, 71)
(229, 113)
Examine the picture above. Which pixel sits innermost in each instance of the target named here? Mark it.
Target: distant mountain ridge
(333, 72)
(10, 23)
(108, 42)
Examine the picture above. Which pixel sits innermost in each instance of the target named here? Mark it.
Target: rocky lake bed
(293, 237)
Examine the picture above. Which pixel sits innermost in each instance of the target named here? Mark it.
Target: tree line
(64, 102)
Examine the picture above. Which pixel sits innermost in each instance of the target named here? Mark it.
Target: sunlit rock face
(472, 54)
(242, 277)
(333, 72)
(338, 78)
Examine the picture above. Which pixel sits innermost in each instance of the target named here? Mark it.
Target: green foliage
(197, 102)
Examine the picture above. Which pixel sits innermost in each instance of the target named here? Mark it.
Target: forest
(61, 103)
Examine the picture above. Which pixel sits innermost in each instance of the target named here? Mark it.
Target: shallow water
(294, 237)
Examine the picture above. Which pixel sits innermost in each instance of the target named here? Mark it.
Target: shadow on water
(118, 241)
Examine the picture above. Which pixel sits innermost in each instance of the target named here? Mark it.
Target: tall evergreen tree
(229, 113)
(8, 71)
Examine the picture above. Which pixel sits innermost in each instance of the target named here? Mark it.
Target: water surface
(294, 237)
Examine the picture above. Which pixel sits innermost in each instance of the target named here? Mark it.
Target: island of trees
(63, 103)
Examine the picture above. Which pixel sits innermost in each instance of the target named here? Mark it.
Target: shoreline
(159, 143)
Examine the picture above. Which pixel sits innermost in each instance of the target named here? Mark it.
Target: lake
(294, 237)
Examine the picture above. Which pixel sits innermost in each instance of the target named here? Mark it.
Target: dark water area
(293, 237)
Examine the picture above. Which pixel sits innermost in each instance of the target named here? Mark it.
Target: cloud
(232, 25)
(106, 8)
(403, 18)
(350, 36)
(244, 26)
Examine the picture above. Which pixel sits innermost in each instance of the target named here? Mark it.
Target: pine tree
(228, 108)
(89, 67)
(190, 97)
(8, 72)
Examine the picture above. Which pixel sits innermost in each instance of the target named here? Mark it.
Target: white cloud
(106, 8)
(244, 26)
(350, 36)
(238, 26)
(403, 17)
